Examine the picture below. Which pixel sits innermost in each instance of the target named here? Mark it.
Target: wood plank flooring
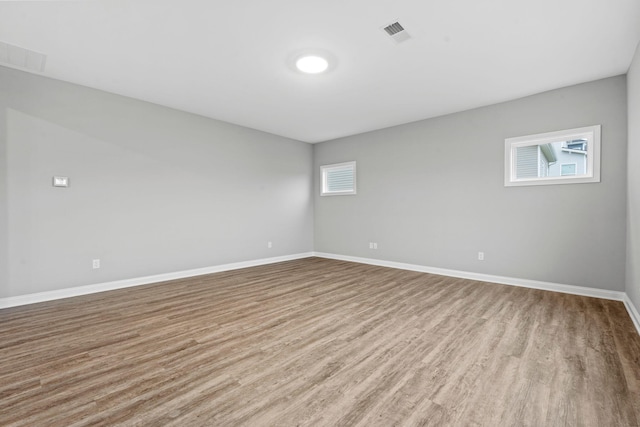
(318, 342)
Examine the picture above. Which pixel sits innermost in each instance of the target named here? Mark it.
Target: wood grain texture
(318, 342)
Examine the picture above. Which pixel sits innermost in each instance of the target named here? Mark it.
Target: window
(579, 144)
(565, 157)
(338, 179)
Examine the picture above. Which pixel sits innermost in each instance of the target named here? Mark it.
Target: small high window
(338, 179)
(565, 157)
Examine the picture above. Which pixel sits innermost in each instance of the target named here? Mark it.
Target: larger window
(338, 179)
(565, 157)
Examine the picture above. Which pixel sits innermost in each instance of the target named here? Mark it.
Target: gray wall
(432, 193)
(153, 190)
(633, 216)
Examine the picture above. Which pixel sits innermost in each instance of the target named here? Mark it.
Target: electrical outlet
(480, 256)
(269, 245)
(370, 245)
(96, 263)
(375, 245)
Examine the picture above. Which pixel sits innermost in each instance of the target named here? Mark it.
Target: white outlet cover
(60, 181)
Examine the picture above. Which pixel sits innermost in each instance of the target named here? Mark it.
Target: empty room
(306, 213)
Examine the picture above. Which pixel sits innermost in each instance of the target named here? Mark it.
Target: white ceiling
(231, 60)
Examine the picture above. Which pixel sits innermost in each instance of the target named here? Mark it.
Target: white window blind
(339, 179)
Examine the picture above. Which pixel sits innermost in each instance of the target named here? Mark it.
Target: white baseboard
(526, 283)
(120, 284)
(633, 313)
(127, 283)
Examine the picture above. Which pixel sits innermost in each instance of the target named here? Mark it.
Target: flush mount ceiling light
(312, 64)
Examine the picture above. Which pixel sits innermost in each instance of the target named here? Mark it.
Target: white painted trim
(127, 283)
(526, 283)
(592, 173)
(324, 169)
(633, 313)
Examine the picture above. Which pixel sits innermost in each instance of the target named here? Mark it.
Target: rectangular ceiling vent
(394, 28)
(397, 32)
(20, 57)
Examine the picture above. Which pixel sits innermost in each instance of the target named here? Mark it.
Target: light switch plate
(60, 181)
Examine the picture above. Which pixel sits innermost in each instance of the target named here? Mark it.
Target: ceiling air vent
(397, 32)
(17, 56)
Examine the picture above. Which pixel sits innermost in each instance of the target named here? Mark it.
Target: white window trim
(323, 179)
(592, 173)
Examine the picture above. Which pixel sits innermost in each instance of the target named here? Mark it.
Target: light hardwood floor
(321, 343)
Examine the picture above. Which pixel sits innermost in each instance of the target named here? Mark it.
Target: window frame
(336, 166)
(592, 173)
